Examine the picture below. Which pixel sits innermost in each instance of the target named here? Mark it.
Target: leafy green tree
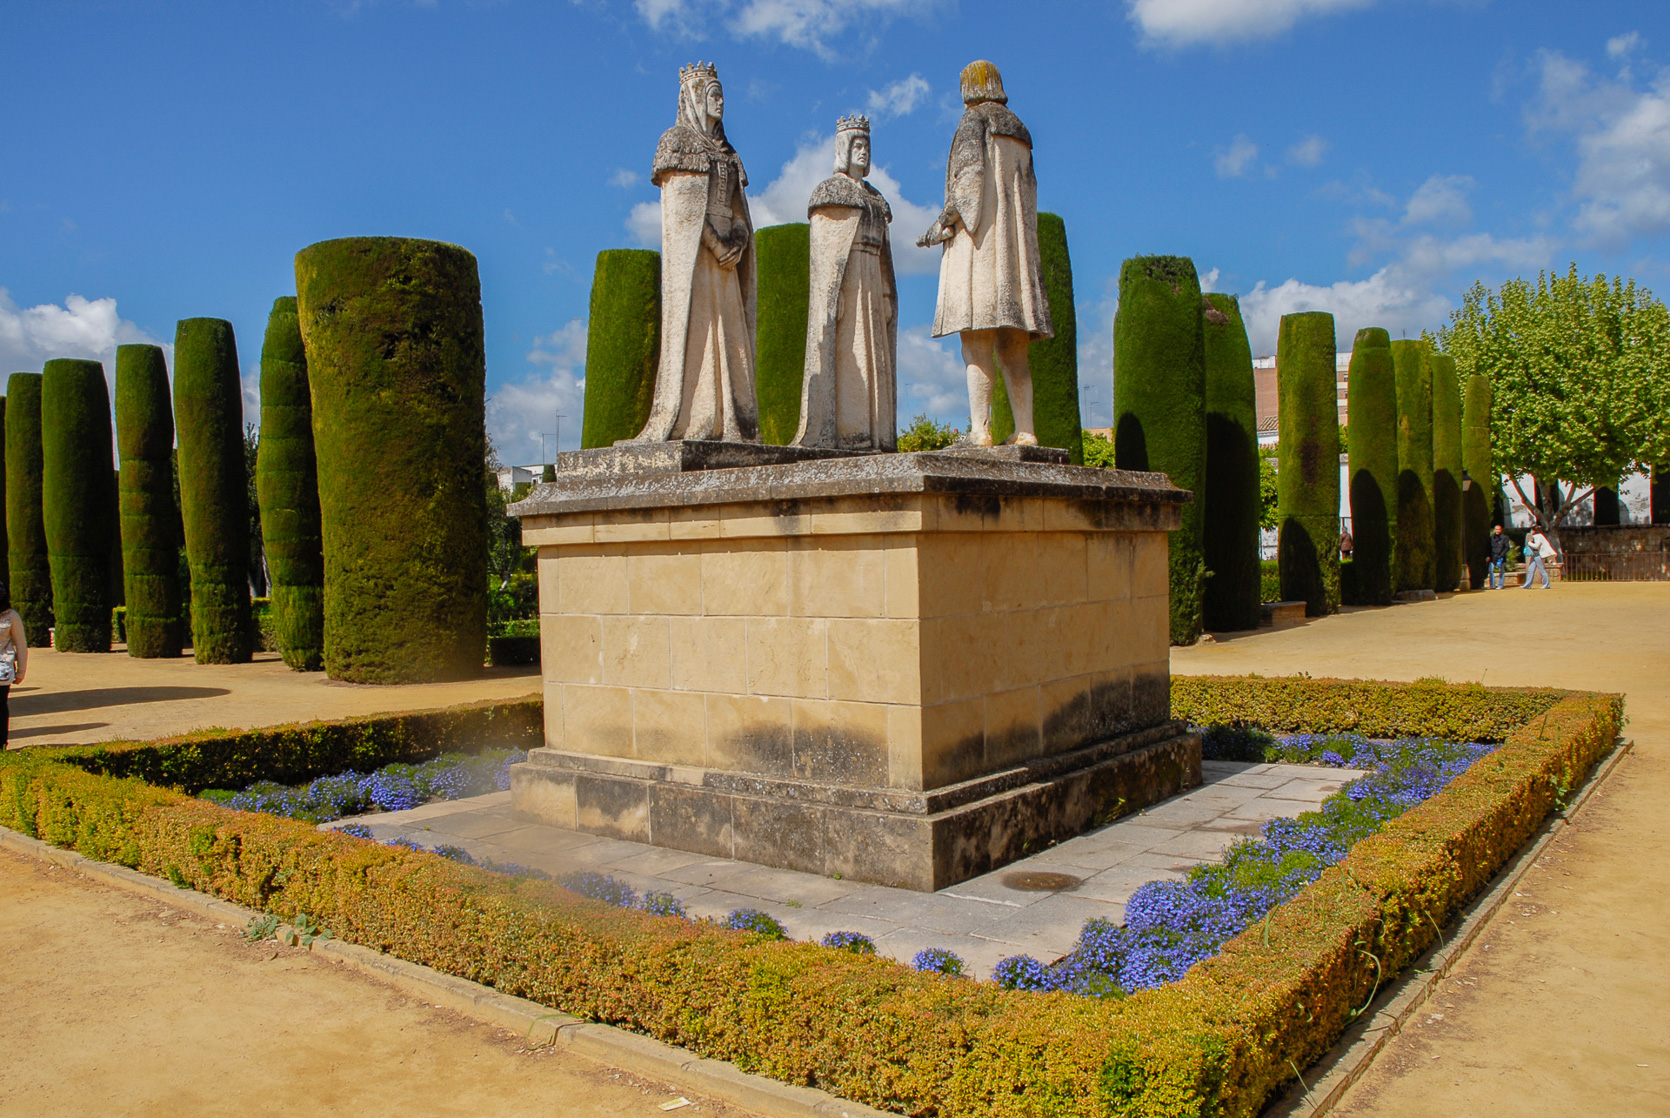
(1579, 371)
(924, 434)
(1098, 451)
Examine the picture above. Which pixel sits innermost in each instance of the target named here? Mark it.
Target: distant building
(512, 476)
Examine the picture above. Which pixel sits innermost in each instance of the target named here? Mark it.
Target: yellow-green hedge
(1218, 1042)
(295, 753)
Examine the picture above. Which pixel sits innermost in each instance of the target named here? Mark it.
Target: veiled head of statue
(982, 82)
(852, 146)
(701, 99)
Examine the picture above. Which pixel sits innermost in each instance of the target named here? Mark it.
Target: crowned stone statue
(847, 398)
(704, 388)
(991, 287)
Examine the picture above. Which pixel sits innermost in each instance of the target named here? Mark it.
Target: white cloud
(1622, 46)
(1308, 152)
(87, 328)
(1232, 162)
(519, 414)
(1385, 299)
(932, 378)
(1622, 139)
(1440, 199)
(901, 98)
(1181, 23)
(808, 24)
(784, 199)
(624, 179)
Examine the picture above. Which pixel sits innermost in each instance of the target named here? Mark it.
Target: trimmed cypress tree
(623, 345)
(214, 488)
(1159, 406)
(1053, 362)
(1414, 556)
(1231, 501)
(5, 572)
(1307, 477)
(1371, 406)
(783, 263)
(1481, 483)
(28, 565)
(150, 532)
(287, 489)
(395, 358)
(1448, 518)
(75, 500)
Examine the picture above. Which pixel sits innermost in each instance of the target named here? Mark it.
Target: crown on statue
(853, 124)
(698, 73)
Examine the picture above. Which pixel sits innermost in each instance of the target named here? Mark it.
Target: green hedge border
(1218, 1042)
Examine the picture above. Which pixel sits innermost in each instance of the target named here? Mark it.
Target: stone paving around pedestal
(983, 919)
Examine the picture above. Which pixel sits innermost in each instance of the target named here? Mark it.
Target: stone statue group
(991, 292)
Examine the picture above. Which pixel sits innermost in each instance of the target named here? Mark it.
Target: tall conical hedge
(395, 358)
(1414, 556)
(1053, 362)
(1159, 406)
(28, 566)
(150, 528)
(1371, 408)
(1448, 518)
(623, 345)
(1481, 483)
(75, 500)
(783, 263)
(5, 572)
(214, 488)
(1230, 511)
(1307, 473)
(287, 489)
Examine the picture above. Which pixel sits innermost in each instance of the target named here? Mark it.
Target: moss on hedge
(1414, 556)
(75, 501)
(1307, 479)
(1159, 406)
(395, 358)
(1054, 362)
(28, 566)
(1230, 501)
(623, 345)
(287, 489)
(214, 488)
(149, 519)
(1448, 516)
(1481, 483)
(783, 263)
(1371, 408)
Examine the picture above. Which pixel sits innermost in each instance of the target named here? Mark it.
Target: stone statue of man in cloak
(848, 395)
(991, 286)
(704, 388)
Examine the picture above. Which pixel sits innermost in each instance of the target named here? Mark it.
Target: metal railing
(1617, 566)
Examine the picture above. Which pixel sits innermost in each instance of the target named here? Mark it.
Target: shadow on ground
(58, 702)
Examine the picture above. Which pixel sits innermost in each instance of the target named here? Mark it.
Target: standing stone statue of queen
(704, 388)
(848, 395)
(991, 286)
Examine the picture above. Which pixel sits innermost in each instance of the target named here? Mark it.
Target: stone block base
(910, 839)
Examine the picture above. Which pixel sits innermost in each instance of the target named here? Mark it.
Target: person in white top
(14, 658)
(1538, 551)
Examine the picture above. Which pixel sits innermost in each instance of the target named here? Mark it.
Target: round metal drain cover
(1036, 881)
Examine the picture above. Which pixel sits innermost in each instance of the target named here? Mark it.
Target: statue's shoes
(1024, 439)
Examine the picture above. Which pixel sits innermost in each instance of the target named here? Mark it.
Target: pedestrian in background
(14, 658)
(1538, 551)
(1499, 544)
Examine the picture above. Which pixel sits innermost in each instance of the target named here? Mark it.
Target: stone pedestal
(905, 668)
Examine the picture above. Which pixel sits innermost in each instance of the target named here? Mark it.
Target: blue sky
(1368, 157)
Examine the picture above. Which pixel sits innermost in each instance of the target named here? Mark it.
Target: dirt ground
(112, 1004)
(71, 697)
(1561, 1006)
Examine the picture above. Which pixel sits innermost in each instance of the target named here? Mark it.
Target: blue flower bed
(1172, 925)
(450, 776)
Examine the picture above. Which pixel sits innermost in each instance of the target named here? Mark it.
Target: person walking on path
(1538, 551)
(14, 658)
(1499, 543)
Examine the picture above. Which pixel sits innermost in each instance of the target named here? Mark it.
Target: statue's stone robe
(849, 393)
(704, 387)
(989, 274)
